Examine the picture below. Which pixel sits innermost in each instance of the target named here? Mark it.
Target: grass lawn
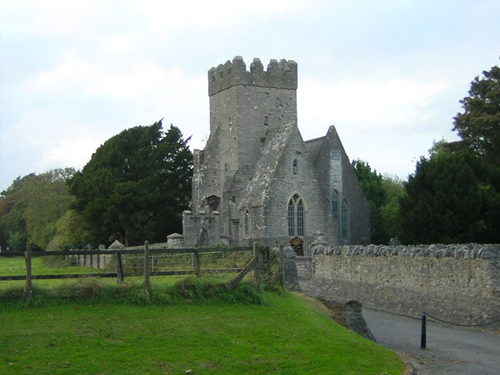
(286, 335)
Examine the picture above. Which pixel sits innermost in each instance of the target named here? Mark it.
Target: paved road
(450, 349)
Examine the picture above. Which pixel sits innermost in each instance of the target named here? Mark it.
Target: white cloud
(168, 15)
(59, 18)
(71, 152)
(145, 78)
(72, 71)
(119, 44)
(393, 102)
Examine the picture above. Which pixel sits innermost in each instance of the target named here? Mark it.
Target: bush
(94, 291)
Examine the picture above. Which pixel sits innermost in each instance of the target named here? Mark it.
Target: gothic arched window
(345, 222)
(296, 216)
(335, 205)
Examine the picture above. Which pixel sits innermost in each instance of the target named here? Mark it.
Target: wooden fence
(260, 254)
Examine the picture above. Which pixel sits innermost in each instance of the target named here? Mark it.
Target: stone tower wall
(278, 75)
(244, 106)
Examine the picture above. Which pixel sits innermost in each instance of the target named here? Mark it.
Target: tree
(13, 233)
(135, 186)
(479, 124)
(453, 197)
(70, 233)
(46, 199)
(371, 183)
(32, 206)
(394, 188)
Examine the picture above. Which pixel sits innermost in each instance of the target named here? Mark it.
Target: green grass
(16, 266)
(286, 336)
(95, 327)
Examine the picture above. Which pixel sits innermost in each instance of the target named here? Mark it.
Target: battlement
(282, 75)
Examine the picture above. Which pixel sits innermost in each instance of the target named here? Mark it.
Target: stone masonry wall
(457, 283)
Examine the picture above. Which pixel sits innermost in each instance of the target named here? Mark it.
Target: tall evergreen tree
(394, 187)
(135, 186)
(454, 197)
(371, 183)
(479, 124)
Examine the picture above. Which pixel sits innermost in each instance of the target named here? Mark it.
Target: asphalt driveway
(450, 349)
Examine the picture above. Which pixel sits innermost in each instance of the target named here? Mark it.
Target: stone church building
(258, 180)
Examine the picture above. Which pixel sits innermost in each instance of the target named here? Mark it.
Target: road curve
(449, 350)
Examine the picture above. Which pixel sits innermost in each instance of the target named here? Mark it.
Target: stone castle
(257, 180)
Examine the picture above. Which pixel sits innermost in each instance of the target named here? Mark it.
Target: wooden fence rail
(255, 264)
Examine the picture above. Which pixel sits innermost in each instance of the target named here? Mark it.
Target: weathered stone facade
(258, 176)
(457, 283)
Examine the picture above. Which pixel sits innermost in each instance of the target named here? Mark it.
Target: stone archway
(202, 238)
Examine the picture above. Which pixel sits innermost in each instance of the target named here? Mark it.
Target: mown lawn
(285, 335)
(288, 336)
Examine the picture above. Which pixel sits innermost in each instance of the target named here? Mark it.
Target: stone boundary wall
(457, 283)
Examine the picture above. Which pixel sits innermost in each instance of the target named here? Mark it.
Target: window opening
(246, 223)
(335, 154)
(335, 205)
(294, 167)
(345, 224)
(296, 216)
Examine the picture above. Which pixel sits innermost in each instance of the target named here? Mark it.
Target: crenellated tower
(245, 105)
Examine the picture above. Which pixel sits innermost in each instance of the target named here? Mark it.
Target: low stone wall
(457, 283)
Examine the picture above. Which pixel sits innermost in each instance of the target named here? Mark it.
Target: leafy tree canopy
(31, 207)
(394, 187)
(454, 197)
(479, 124)
(135, 186)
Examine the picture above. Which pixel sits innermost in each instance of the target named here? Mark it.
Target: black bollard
(423, 336)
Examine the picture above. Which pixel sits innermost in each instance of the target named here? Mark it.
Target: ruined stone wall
(201, 229)
(457, 283)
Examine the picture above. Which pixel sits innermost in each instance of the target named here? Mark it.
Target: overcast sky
(388, 74)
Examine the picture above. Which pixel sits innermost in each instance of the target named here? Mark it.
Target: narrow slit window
(345, 222)
(246, 223)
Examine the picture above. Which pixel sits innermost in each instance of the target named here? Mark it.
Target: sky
(388, 74)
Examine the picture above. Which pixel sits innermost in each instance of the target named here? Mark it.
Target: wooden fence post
(147, 284)
(196, 263)
(29, 281)
(258, 265)
(119, 267)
